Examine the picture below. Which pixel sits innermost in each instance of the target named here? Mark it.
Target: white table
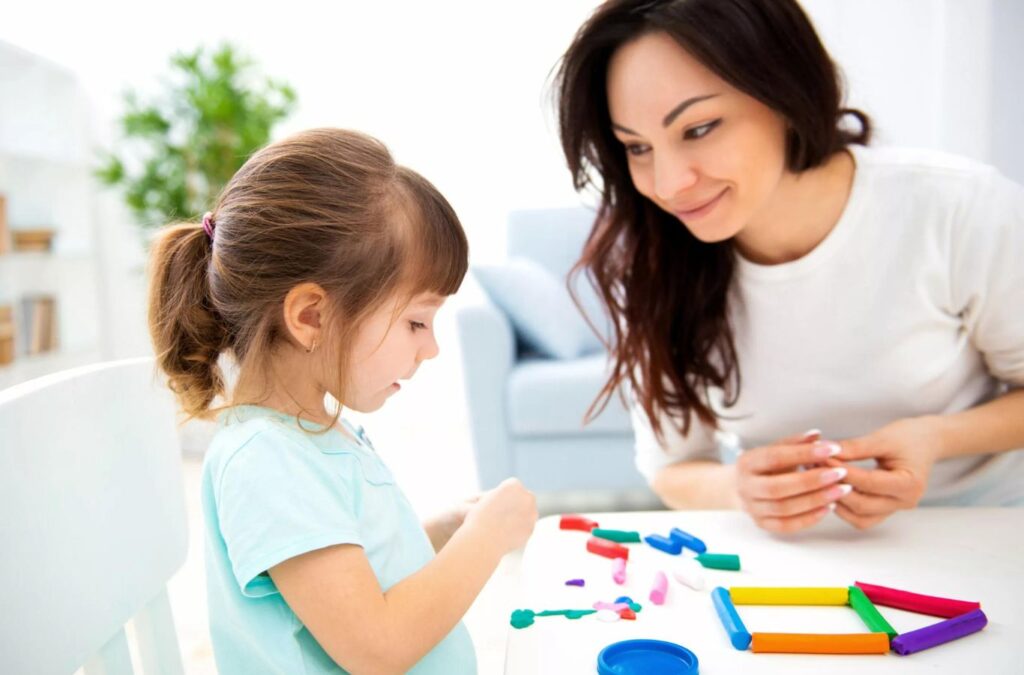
(967, 554)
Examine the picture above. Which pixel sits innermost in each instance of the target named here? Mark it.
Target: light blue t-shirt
(272, 491)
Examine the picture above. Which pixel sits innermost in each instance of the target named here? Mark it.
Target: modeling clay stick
(660, 588)
(915, 602)
(731, 622)
(609, 549)
(572, 521)
(688, 540)
(940, 633)
(670, 546)
(576, 582)
(621, 536)
(742, 595)
(798, 643)
(869, 614)
(719, 561)
(619, 570)
(689, 573)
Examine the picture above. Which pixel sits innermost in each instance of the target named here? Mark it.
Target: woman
(767, 273)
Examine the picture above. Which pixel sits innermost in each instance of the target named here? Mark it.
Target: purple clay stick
(940, 633)
(575, 582)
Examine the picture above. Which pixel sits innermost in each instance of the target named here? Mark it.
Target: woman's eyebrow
(671, 116)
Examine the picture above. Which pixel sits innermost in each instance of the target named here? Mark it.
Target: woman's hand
(778, 494)
(905, 451)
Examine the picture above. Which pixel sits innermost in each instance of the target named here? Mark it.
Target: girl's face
(390, 347)
(696, 146)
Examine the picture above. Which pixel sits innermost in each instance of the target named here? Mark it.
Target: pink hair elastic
(208, 224)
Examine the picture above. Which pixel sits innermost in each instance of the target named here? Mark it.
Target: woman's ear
(303, 308)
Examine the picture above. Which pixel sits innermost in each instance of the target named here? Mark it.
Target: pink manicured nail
(834, 475)
(811, 433)
(840, 491)
(826, 449)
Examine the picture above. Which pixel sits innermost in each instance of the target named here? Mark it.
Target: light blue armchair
(526, 411)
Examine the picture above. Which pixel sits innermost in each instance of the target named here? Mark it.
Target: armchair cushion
(550, 398)
(539, 307)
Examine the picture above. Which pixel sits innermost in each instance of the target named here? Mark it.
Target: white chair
(92, 521)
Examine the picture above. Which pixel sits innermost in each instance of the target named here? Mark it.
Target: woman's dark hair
(664, 289)
(327, 206)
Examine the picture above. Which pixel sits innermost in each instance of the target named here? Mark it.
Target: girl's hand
(440, 528)
(505, 515)
(905, 451)
(781, 497)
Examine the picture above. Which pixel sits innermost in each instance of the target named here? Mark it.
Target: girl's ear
(303, 307)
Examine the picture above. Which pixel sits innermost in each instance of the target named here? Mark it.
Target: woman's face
(696, 146)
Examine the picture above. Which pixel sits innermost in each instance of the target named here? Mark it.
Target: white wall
(457, 89)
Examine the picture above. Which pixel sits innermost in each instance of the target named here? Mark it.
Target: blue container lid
(646, 657)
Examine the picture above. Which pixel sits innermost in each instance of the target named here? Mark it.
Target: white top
(912, 305)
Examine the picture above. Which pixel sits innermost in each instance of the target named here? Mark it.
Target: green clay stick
(719, 561)
(620, 536)
(869, 614)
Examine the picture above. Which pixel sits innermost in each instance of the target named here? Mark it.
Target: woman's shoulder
(924, 163)
(932, 184)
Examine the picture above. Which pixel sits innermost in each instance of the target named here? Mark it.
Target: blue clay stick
(688, 540)
(738, 634)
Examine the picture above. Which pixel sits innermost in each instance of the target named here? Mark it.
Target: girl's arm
(336, 595)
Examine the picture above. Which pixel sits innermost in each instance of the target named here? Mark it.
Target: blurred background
(459, 92)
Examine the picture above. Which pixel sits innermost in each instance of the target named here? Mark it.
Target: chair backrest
(92, 521)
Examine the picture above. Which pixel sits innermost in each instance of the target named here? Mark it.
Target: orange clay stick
(799, 643)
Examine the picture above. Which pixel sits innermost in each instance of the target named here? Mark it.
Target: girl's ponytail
(187, 332)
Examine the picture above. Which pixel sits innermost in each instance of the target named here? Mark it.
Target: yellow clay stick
(789, 596)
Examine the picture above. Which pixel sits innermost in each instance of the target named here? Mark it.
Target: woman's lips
(701, 210)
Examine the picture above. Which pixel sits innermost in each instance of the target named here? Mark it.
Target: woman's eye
(637, 150)
(416, 325)
(701, 131)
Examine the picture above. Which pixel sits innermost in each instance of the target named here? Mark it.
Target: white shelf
(47, 163)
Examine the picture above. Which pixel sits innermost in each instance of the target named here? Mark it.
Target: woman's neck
(802, 212)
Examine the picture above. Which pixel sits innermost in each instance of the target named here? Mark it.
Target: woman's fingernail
(839, 491)
(834, 475)
(811, 433)
(832, 506)
(826, 449)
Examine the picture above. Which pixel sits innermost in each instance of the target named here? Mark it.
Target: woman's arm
(906, 450)
(698, 484)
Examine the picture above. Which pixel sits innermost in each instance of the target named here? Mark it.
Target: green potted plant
(180, 149)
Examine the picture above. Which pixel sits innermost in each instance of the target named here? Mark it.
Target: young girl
(320, 271)
(770, 273)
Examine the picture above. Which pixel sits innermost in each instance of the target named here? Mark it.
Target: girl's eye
(637, 150)
(701, 131)
(416, 325)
